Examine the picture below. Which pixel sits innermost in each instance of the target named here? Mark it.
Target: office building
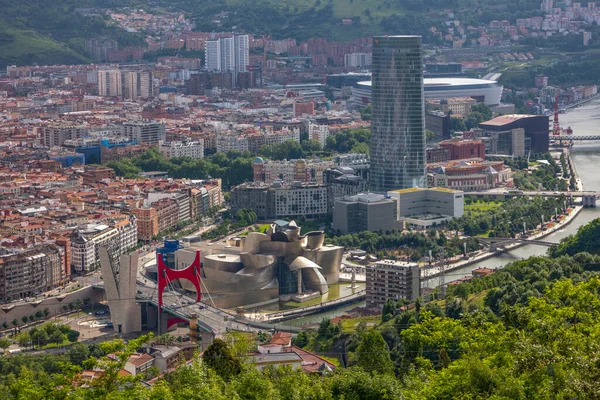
(147, 131)
(85, 244)
(365, 212)
(392, 280)
(397, 130)
(429, 202)
(183, 149)
(499, 134)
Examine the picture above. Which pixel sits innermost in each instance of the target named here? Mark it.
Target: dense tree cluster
(398, 244)
(507, 220)
(349, 140)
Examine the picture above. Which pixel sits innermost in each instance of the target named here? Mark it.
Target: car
(139, 292)
(201, 307)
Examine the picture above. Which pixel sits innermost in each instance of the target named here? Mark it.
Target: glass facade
(398, 132)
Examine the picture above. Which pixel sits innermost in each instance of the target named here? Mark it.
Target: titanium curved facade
(398, 114)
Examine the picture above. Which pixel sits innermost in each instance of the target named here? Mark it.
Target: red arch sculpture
(191, 273)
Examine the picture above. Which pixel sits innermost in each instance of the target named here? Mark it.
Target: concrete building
(358, 59)
(392, 280)
(85, 244)
(193, 149)
(30, 272)
(365, 212)
(228, 54)
(110, 83)
(57, 133)
(147, 131)
(428, 207)
(281, 200)
(228, 141)
(318, 133)
(137, 85)
(397, 130)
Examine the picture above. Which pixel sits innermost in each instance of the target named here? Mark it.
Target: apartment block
(193, 149)
(392, 280)
(147, 222)
(56, 134)
(29, 272)
(281, 200)
(151, 132)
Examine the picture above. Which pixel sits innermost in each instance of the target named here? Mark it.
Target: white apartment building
(394, 280)
(212, 51)
(228, 54)
(230, 141)
(297, 199)
(127, 233)
(152, 132)
(137, 85)
(85, 242)
(183, 149)
(110, 83)
(87, 239)
(282, 135)
(318, 133)
(57, 134)
(358, 59)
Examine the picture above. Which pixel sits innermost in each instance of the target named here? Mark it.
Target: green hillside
(26, 47)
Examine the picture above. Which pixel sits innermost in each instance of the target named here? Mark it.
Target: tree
(72, 335)
(23, 339)
(429, 136)
(4, 343)
(46, 312)
(39, 337)
(15, 323)
(24, 318)
(373, 354)
(4, 325)
(78, 353)
(218, 357)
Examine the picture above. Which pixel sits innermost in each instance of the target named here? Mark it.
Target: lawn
(482, 206)
(349, 325)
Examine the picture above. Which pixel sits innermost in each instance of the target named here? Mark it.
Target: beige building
(393, 280)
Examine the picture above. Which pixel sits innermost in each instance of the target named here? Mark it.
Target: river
(584, 120)
(586, 155)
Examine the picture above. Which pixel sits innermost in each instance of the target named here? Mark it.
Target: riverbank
(436, 271)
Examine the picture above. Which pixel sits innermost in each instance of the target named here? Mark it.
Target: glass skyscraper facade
(398, 115)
